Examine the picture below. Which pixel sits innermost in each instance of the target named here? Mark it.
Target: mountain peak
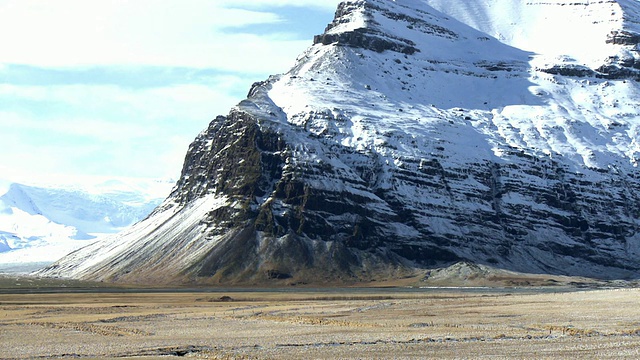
(411, 135)
(598, 35)
(381, 25)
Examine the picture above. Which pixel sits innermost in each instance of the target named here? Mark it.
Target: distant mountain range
(38, 225)
(412, 134)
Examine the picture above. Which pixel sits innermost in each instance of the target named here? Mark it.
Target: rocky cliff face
(407, 137)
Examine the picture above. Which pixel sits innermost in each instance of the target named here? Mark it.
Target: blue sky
(120, 88)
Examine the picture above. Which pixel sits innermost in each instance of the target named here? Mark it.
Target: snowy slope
(40, 224)
(496, 84)
(551, 28)
(414, 134)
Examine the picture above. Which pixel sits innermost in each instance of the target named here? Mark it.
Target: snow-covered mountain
(40, 224)
(411, 134)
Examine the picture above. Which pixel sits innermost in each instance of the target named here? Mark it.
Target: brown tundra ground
(321, 324)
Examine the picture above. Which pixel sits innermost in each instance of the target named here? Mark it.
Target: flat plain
(387, 323)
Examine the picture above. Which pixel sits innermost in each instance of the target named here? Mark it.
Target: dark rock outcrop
(623, 38)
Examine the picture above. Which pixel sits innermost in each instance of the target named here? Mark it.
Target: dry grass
(322, 325)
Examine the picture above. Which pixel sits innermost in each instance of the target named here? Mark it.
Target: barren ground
(322, 324)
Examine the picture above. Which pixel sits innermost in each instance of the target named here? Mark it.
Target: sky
(119, 88)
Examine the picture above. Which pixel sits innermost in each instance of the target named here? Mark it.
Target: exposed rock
(623, 38)
(366, 39)
(570, 70)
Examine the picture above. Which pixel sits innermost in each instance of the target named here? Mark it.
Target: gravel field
(322, 325)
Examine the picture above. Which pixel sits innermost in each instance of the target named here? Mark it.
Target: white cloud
(106, 129)
(172, 101)
(196, 33)
(324, 4)
(124, 130)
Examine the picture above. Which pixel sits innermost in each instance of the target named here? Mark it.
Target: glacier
(41, 222)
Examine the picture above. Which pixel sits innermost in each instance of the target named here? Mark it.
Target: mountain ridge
(404, 139)
(39, 223)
